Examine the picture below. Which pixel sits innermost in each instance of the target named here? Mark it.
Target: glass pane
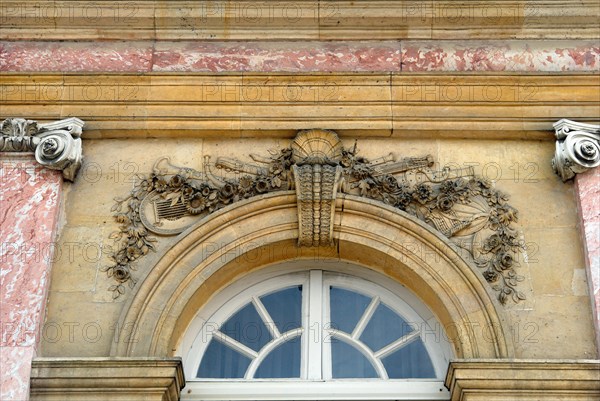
(285, 308)
(346, 308)
(384, 327)
(247, 327)
(409, 362)
(349, 363)
(282, 362)
(221, 362)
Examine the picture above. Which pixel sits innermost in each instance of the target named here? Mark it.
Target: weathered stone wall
(523, 42)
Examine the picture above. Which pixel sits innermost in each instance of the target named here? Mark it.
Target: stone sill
(523, 379)
(131, 379)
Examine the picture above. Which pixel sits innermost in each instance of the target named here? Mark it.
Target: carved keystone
(317, 154)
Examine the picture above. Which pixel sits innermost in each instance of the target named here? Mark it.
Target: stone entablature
(300, 20)
(56, 145)
(390, 105)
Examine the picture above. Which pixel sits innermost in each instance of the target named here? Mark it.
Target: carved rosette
(56, 145)
(466, 209)
(577, 148)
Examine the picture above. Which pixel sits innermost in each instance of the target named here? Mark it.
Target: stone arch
(263, 231)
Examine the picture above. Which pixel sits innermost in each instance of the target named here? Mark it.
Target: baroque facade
(300, 200)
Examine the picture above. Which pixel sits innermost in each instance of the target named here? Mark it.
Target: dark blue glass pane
(283, 362)
(348, 363)
(409, 362)
(346, 308)
(285, 308)
(221, 362)
(247, 327)
(384, 327)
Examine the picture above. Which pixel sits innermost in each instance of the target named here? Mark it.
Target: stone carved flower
(361, 172)
(490, 276)
(146, 185)
(205, 190)
(262, 185)
(176, 181)
(196, 204)
(422, 193)
(246, 182)
(160, 185)
(122, 218)
(445, 203)
(505, 260)
(403, 198)
(388, 199)
(188, 191)
(133, 252)
(121, 273)
(447, 187)
(390, 184)
(276, 168)
(227, 190)
(347, 160)
(459, 185)
(506, 214)
(121, 258)
(137, 231)
(492, 243)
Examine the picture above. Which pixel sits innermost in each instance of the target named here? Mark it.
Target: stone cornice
(577, 148)
(293, 20)
(490, 106)
(524, 380)
(131, 379)
(56, 145)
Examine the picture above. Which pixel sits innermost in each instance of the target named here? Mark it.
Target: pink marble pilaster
(29, 207)
(588, 190)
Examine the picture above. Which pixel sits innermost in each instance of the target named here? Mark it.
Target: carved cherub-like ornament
(462, 207)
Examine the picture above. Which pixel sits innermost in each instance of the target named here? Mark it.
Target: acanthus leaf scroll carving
(56, 145)
(466, 209)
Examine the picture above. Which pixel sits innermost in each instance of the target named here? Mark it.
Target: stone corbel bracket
(56, 145)
(577, 148)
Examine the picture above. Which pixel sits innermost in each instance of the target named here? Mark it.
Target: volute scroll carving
(56, 145)
(577, 148)
(461, 206)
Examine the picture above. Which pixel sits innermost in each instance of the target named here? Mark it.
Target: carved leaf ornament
(466, 209)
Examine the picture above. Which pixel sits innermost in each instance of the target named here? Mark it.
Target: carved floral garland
(468, 210)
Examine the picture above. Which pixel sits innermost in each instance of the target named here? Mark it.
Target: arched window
(315, 334)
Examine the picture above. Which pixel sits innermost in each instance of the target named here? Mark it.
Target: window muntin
(317, 326)
(260, 340)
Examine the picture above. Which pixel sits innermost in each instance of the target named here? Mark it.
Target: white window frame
(311, 386)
